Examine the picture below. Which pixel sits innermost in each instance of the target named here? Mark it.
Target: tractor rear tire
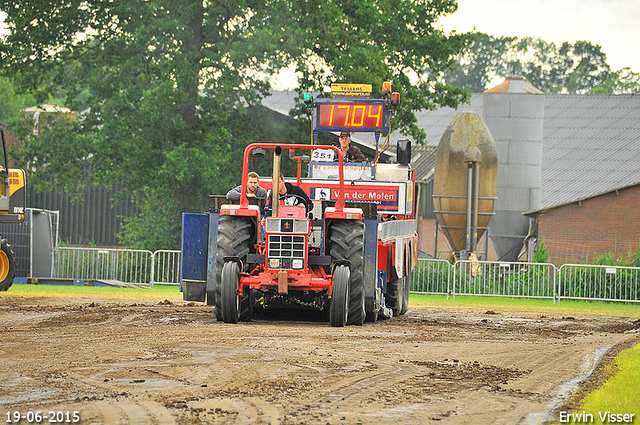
(347, 243)
(7, 266)
(394, 297)
(235, 235)
(405, 297)
(229, 299)
(339, 304)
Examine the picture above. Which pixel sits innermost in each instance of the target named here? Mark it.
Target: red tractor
(351, 256)
(275, 265)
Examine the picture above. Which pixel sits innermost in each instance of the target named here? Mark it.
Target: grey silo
(514, 113)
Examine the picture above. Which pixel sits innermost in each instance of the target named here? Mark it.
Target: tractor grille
(286, 252)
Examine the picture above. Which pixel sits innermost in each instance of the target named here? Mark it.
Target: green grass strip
(621, 393)
(158, 292)
(533, 305)
(619, 396)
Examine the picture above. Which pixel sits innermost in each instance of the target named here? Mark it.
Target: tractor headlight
(272, 225)
(274, 263)
(297, 264)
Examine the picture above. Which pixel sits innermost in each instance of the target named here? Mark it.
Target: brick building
(602, 225)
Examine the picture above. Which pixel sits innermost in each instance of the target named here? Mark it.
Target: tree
(167, 84)
(571, 68)
(576, 68)
(484, 57)
(12, 103)
(623, 81)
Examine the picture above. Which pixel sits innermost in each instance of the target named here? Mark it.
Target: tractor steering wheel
(295, 199)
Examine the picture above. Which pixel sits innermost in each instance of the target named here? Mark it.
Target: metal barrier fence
(166, 267)
(430, 276)
(505, 279)
(125, 265)
(602, 283)
(527, 280)
(486, 278)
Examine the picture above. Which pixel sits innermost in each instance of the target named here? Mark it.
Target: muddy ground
(139, 362)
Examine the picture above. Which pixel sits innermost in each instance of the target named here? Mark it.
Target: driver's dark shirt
(354, 154)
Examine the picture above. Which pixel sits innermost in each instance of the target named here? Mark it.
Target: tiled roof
(591, 146)
(591, 143)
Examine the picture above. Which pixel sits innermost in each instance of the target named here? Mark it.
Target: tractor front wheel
(339, 305)
(229, 298)
(235, 236)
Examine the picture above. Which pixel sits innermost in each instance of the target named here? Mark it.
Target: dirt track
(117, 361)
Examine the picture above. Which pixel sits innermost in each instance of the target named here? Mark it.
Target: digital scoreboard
(366, 115)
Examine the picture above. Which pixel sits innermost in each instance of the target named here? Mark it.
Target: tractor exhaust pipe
(275, 192)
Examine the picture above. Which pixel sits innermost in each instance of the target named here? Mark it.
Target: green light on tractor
(308, 100)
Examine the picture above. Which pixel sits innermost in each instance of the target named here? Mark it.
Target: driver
(292, 195)
(253, 189)
(350, 153)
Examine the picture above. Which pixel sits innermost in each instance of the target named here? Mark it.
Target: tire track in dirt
(354, 392)
(127, 412)
(563, 391)
(248, 410)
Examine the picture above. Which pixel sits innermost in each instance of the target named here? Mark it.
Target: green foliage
(635, 257)
(623, 81)
(483, 57)
(166, 89)
(434, 277)
(158, 226)
(618, 280)
(534, 281)
(374, 41)
(566, 69)
(484, 279)
(12, 103)
(514, 280)
(541, 253)
(97, 264)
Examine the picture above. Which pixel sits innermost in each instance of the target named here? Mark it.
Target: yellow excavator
(12, 210)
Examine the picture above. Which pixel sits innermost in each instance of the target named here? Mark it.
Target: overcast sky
(612, 24)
